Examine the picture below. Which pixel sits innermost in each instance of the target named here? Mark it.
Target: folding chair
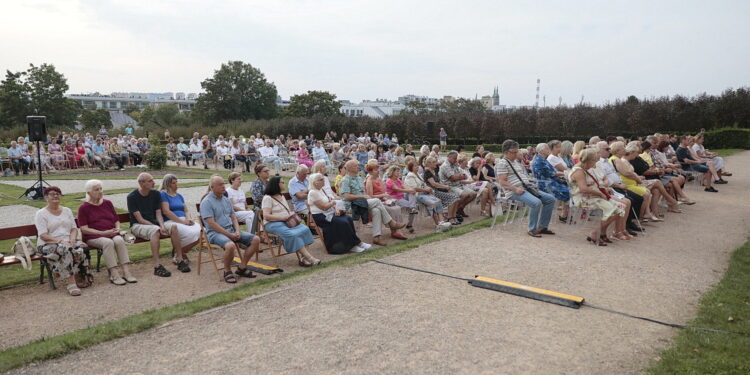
(273, 243)
(203, 244)
(312, 225)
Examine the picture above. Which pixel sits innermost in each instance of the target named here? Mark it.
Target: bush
(728, 138)
(156, 158)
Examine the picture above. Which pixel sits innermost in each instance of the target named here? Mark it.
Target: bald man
(223, 229)
(146, 222)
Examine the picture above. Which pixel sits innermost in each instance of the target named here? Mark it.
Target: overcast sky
(360, 49)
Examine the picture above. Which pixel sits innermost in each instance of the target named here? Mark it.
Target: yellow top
(647, 158)
(531, 289)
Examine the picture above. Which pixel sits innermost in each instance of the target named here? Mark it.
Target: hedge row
(728, 138)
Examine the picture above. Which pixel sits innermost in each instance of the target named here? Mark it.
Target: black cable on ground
(673, 325)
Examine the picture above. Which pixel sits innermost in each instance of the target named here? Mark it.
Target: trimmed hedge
(728, 138)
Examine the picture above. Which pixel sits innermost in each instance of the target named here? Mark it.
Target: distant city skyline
(385, 49)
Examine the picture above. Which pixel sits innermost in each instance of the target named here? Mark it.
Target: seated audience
(551, 179)
(223, 229)
(100, 227)
(57, 236)
(587, 192)
(183, 231)
(146, 221)
(276, 213)
(352, 189)
(338, 228)
(517, 186)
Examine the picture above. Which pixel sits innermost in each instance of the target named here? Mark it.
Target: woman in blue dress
(546, 174)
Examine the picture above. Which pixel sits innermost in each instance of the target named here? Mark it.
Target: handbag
(529, 189)
(293, 220)
(604, 191)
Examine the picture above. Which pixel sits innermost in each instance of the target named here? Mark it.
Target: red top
(377, 186)
(394, 193)
(101, 217)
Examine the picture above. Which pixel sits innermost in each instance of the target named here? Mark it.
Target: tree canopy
(313, 103)
(40, 90)
(237, 91)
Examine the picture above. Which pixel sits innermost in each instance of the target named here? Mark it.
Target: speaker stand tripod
(36, 191)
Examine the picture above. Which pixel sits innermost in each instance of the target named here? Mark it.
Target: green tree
(130, 109)
(416, 108)
(47, 95)
(461, 105)
(146, 115)
(14, 99)
(94, 120)
(313, 103)
(237, 91)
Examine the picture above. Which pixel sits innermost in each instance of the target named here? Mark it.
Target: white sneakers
(442, 227)
(359, 249)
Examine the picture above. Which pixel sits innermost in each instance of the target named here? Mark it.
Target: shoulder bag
(293, 220)
(603, 190)
(529, 189)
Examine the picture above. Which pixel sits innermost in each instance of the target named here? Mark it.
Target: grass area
(724, 152)
(726, 307)
(128, 174)
(80, 339)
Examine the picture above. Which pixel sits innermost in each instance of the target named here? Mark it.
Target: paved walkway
(379, 319)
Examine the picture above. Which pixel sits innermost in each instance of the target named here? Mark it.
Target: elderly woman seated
(338, 228)
(668, 172)
(57, 239)
(404, 197)
(651, 176)
(517, 186)
(550, 179)
(424, 196)
(621, 162)
(276, 212)
(101, 230)
(587, 191)
(375, 188)
(184, 232)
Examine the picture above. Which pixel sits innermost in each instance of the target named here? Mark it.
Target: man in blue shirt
(100, 154)
(689, 163)
(298, 189)
(16, 156)
(223, 229)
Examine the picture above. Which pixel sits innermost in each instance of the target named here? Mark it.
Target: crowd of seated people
(378, 182)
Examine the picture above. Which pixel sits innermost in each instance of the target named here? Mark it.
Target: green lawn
(726, 307)
(724, 152)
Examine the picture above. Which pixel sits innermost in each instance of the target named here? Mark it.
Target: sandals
(244, 272)
(533, 234)
(594, 241)
(183, 266)
(229, 277)
(73, 290)
(161, 271)
(545, 231)
(410, 228)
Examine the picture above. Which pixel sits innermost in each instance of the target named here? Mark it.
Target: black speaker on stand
(37, 133)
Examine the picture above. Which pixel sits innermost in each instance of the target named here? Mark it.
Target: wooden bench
(13, 233)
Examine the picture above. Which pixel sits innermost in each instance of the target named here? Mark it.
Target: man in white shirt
(319, 153)
(222, 150)
(195, 150)
(268, 155)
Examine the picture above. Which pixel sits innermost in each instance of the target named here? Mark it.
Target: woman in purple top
(101, 229)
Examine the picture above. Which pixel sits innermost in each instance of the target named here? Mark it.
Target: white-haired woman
(183, 230)
(321, 167)
(100, 227)
(338, 228)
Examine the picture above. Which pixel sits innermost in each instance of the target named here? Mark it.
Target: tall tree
(14, 99)
(94, 120)
(47, 95)
(313, 103)
(237, 91)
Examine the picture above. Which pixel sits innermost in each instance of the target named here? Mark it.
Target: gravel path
(76, 186)
(379, 319)
(12, 215)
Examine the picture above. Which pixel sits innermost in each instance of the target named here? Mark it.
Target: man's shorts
(221, 240)
(443, 143)
(143, 231)
(702, 168)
